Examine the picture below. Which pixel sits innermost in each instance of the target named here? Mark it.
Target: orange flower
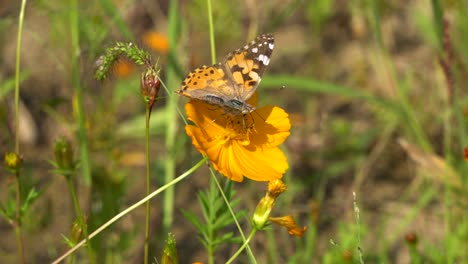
(123, 68)
(288, 222)
(156, 41)
(243, 145)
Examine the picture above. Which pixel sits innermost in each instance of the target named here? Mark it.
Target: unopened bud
(13, 161)
(76, 233)
(411, 238)
(63, 151)
(170, 255)
(149, 84)
(262, 212)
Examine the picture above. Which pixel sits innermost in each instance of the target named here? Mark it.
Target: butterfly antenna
(211, 122)
(258, 115)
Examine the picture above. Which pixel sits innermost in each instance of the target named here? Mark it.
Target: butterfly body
(231, 83)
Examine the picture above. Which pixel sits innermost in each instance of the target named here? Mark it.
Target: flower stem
(78, 91)
(148, 185)
(211, 30)
(171, 114)
(133, 207)
(226, 201)
(80, 216)
(18, 230)
(246, 243)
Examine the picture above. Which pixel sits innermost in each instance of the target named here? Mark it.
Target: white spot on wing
(255, 50)
(271, 46)
(264, 59)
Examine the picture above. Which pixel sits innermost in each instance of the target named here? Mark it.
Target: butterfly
(229, 84)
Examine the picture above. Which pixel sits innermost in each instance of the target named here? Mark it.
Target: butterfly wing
(247, 65)
(208, 83)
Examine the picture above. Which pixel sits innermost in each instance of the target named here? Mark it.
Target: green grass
(376, 94)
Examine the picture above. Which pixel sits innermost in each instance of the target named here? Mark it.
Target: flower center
(239, 128)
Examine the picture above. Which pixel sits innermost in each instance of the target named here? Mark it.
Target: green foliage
(412, 54)
(216, 217)
(226, 14)
(318, 12)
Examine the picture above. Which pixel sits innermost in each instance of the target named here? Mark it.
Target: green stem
(226, 201)
(212, 39)
(133, 207)
(246, 243)
(17, 72)
(75, 75)
(148, 185)
(18, 230)
(79, 214)
(171, 107)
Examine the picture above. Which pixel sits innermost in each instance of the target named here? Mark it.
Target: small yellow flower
(243, 145)
(13, 161)
(156, 41)
(288, 222)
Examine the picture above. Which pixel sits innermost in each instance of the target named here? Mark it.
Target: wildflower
(288, 222)
(156, 41)
(13, 161)
(240, 145)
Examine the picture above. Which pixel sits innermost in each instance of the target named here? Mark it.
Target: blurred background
(376, 93)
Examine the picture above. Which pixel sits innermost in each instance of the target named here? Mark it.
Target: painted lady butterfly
(231, 83)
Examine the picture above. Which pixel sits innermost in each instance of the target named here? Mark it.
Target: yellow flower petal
(288, 222)
(244, 145)
(274, 127)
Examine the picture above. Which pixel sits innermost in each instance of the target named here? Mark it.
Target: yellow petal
(273, 129)
(288, 222)
(263, 164)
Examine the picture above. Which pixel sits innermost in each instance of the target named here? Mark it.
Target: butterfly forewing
(247, 65)
(231, 83)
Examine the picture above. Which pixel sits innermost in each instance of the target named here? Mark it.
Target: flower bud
(411, 238)
(63, 151)
(149, 84)
(76, 233)
(13, 161)
(262, 212)
(264, 207)
(170, 251)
